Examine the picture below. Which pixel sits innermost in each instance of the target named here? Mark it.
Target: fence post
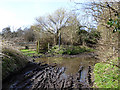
(48, 46)
(38, 46)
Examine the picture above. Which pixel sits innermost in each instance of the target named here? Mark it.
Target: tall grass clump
(12, 61)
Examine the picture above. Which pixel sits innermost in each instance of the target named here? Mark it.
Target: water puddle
(71, 65)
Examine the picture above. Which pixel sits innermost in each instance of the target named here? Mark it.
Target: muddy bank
(51, 75)
(85, 54)
(39, 75)
(12, 61)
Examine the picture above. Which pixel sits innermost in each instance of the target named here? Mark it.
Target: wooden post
(38, 46)
(48, 46)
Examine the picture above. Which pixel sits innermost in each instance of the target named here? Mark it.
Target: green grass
(70, 50)
(29, 52)
(106, 75)
(24, 50)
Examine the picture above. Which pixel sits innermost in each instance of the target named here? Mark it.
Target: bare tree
(53, 23)
(107, 16)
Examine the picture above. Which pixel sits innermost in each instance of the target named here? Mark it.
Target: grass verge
(106, 75)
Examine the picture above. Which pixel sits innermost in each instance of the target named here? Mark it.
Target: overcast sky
(22, 13)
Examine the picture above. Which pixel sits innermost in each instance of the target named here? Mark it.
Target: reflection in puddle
(63, 76)
(71, 64)
(83, 77)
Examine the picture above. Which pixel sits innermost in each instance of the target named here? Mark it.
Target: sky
(22, 13)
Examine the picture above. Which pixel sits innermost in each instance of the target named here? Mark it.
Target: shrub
(29, 35)
(70, 50)
(55, 50)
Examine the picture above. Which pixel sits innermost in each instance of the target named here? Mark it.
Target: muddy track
(46, 76)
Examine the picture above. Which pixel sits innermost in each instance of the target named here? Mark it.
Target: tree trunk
(59, 40)
(83, 43)
(56, 38)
